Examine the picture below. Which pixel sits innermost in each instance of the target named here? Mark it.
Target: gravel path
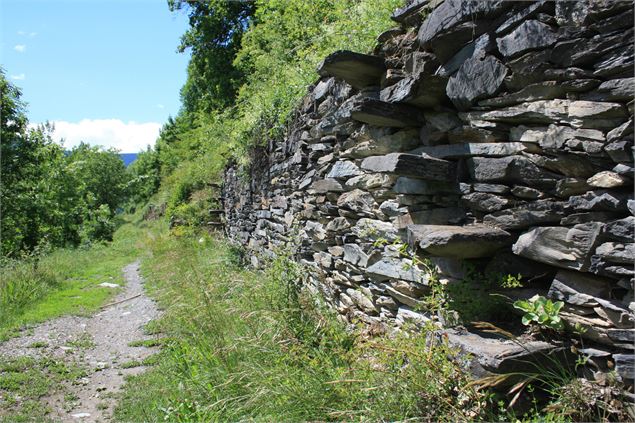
(98, 343)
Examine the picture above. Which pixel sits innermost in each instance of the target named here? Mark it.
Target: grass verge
(245, 345)
(62, 282)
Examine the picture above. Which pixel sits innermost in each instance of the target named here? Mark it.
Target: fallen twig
(344, 381)
(120, 301)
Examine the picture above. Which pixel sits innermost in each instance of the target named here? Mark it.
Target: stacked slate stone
(491, 131)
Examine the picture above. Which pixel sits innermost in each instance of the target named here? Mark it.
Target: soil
(100, 344)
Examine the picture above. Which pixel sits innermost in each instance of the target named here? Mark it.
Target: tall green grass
(248, 345)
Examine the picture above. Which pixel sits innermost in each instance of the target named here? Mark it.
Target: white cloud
(19, 77)
(20, 48)
(27, 34)
(130, 137)
(160, 106)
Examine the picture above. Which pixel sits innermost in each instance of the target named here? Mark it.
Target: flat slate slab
(359, 70)
(322, 186)
(421, 90)
(533, 214)
(381, 113)
(498, 355)
(455, 23)
(410, 14)
(580, 289)
(494, 149)
(476, 79)
(530, 35)
(568, 248)
(412, 165)
(393, 268)
(472, 241)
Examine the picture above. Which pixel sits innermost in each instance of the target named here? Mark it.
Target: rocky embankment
(494, 133)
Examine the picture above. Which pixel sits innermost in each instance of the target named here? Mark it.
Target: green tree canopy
(103, 175)
(214, 37)
(49, 196)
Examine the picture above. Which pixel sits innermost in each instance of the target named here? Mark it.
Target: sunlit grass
(65, 281)
(244, 345)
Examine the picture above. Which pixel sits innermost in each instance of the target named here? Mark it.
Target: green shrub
(99, 225)
(541, 311)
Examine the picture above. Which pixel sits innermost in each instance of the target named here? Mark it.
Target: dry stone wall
(495, 133)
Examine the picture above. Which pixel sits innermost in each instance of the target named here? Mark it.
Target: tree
(103, 175)
(49, 196)
(144, 177)
(29, 164)
(214, 37)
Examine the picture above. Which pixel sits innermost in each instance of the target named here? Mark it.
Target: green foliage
(49, 197)
(510, 281)
(144, 178)
(251, 62)
(214, 37)
(98, 224)
(35, 194)
(281, 51)
(102, 175)
(542, 311)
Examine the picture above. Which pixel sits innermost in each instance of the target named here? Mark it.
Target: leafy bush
(99, 225)
(144, 179)
(280, 52)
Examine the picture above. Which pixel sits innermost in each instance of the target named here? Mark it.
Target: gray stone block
(477, 78)
(532, 214)
(458, 241)
(359, 70)
(530, 35)
(392, 268)
(411, 165)
(580, 289)
(380, 113)
(569, 248)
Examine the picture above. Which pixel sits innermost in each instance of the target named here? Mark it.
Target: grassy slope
(65, 281)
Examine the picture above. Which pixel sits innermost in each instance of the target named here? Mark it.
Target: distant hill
(128, 158)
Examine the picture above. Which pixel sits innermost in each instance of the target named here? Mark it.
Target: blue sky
(104, 71)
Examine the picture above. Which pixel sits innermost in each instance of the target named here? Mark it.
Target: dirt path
(100, 344)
